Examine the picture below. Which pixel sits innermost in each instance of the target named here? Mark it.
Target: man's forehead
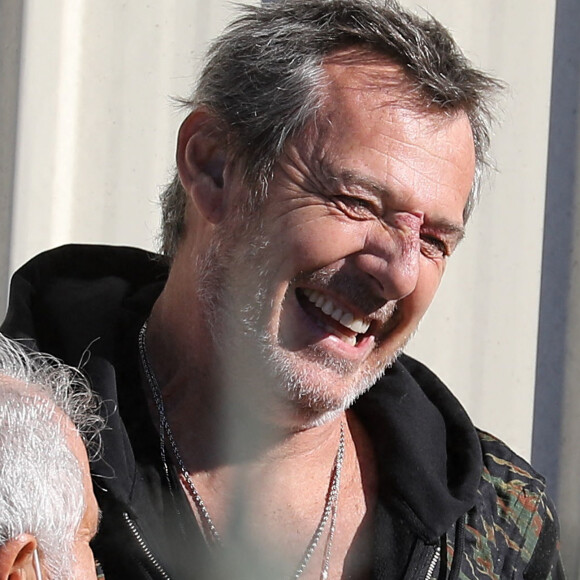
(359, 114)
(365, 70)
(8, 381)
(37, 395)
(360, 78)
(374, 62)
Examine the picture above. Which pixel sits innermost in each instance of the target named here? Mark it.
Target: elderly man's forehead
(33, 394)
(38, 395)
(22, 387)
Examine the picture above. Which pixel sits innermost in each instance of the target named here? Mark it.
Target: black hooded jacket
(453, 502)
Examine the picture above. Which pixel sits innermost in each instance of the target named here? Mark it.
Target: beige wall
(10, 37)
(97, 125)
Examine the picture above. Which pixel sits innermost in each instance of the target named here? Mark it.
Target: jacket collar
(428, 450)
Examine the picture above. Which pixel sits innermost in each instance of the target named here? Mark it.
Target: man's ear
(17, 558)
(201, 162)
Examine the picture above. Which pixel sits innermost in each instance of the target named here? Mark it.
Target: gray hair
(41, 481)
(264, 80)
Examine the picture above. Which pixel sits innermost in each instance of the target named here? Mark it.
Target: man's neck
(261, 480)
(212, 413)
(212, 405)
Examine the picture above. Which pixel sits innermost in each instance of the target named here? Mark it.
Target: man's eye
(434, 247)
(354, 206)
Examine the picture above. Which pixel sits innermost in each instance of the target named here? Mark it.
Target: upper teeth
(345, 317)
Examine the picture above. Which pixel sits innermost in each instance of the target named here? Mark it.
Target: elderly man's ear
(17, 558)
(202, 163)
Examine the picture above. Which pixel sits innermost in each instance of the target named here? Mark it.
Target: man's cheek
(316, 245)
(419, 301)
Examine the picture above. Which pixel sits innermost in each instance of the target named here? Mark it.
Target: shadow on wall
(556, 440)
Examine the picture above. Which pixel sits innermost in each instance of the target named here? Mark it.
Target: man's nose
(391, 257)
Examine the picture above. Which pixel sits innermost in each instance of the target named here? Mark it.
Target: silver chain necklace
(209, 531)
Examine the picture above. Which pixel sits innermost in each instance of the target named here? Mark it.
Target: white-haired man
(48, 511)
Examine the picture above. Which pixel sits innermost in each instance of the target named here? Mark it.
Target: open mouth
(333, 318)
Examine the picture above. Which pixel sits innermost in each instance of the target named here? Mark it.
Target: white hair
(41, 480)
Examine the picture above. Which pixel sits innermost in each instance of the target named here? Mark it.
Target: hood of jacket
(86, 304)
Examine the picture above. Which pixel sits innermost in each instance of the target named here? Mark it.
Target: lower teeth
(348, 339)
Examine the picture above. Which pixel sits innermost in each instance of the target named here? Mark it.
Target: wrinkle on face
(378, 86)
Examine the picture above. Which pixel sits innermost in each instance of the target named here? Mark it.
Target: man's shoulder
(513, 524)
(504, 467)
(517, 492)
(86, 261)
(65, 299)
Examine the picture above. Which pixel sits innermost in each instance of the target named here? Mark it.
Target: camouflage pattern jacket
(512, 531)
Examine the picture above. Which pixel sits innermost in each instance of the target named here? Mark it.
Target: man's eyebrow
(350, 178)
(448, 228)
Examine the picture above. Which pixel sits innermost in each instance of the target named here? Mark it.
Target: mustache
(355, 289)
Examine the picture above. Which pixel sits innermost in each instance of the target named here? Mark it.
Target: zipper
(152, 560)
(433, 563)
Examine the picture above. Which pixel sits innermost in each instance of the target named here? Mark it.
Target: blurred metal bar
(556, 435)
(11, 13)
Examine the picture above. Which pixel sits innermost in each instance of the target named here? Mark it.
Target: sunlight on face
(84, 562)
(318, 290)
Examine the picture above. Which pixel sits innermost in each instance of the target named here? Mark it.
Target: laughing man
(263, 421)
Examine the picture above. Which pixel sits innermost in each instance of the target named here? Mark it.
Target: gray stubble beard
(306, 392)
